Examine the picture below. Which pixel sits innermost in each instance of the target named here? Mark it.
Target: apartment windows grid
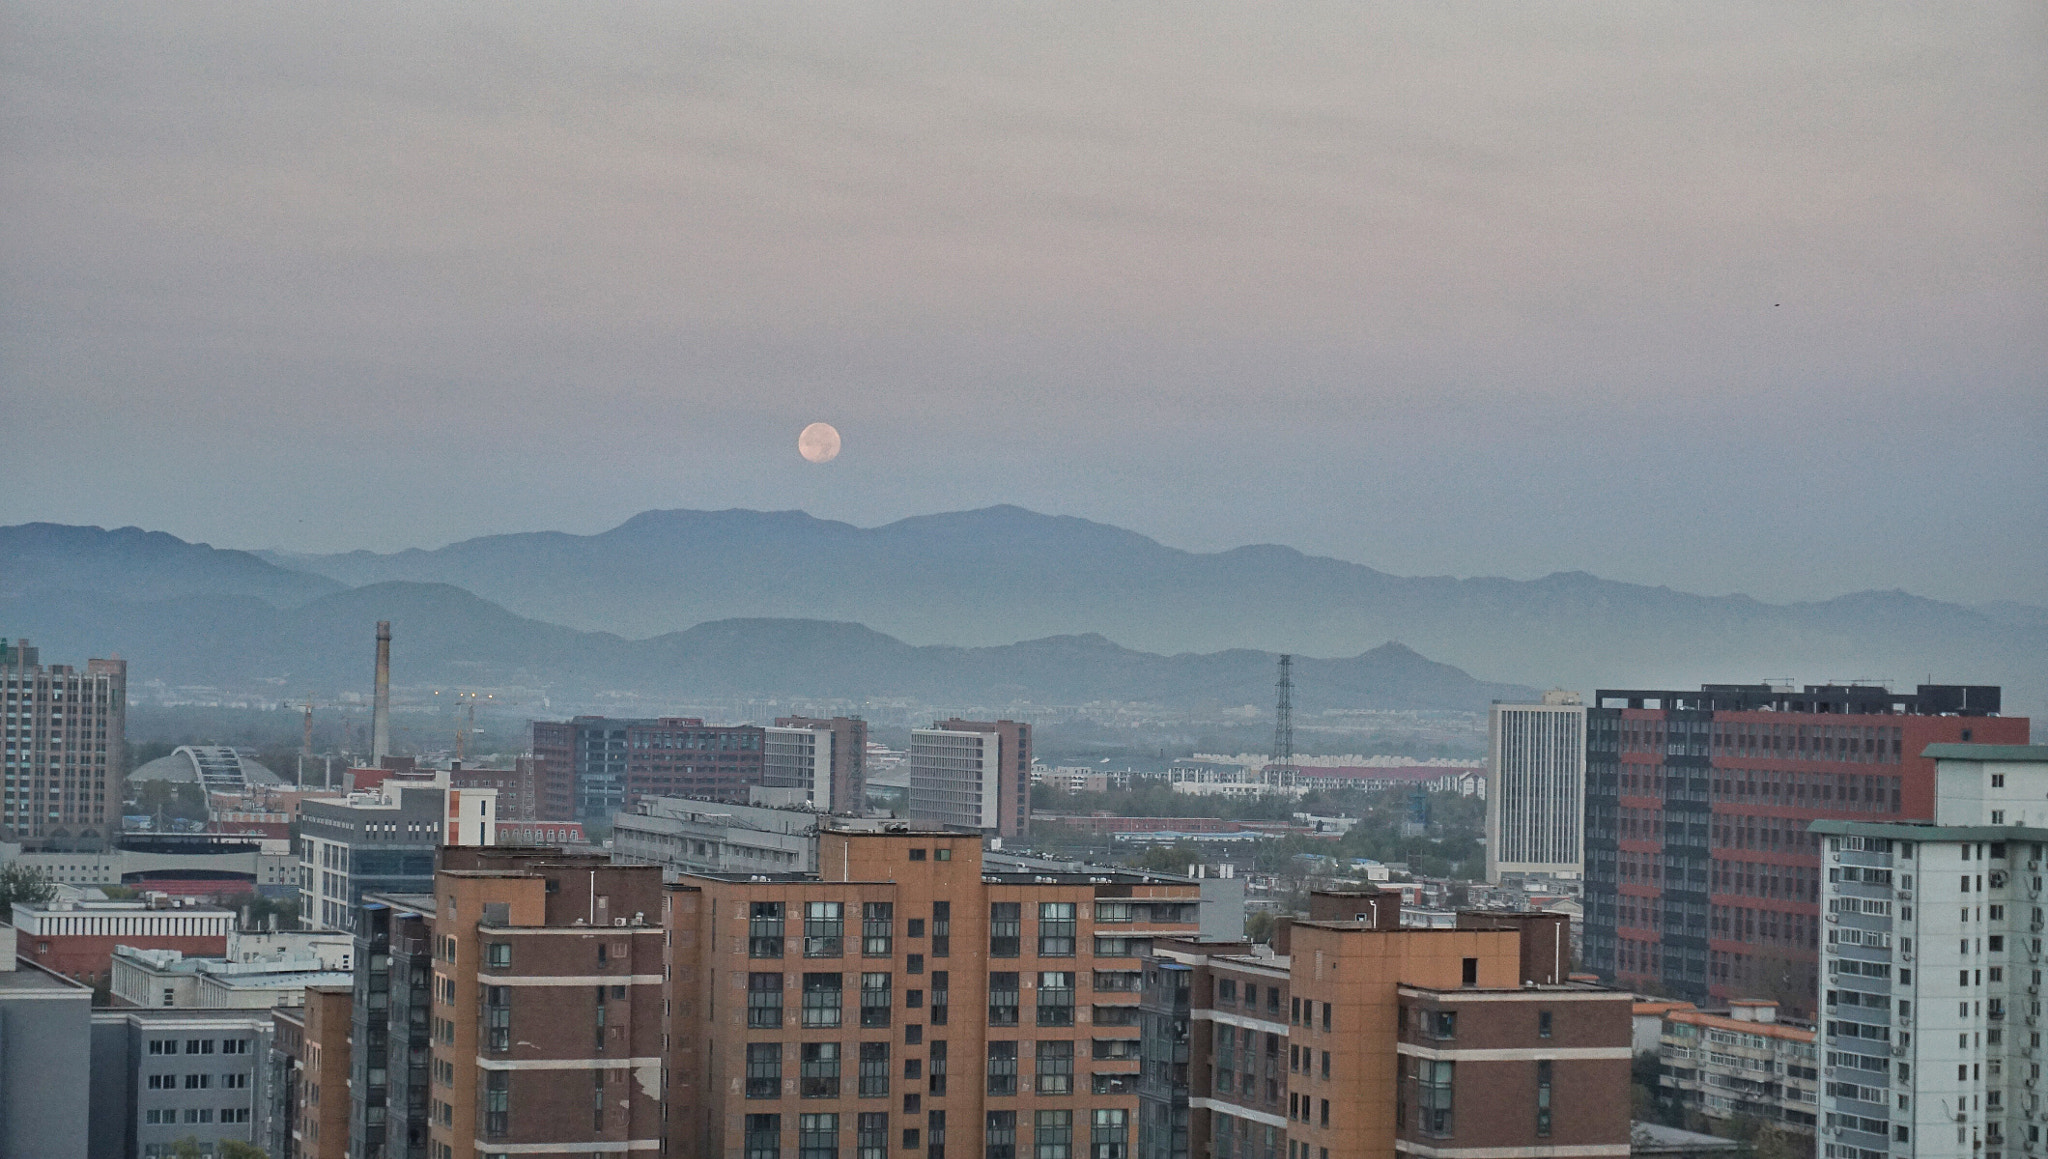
(1056, 998)
(824, 929)
(1005, 929)
(764, 1001)
(1002, 1068)
(1004, 998)
(875, 1000)
(822, 998)
(871, 1135)
(877, 929)
(1052, 1135)
(874, 1070)
(1056, 926)
(818, 1070)
(764, 929)
(764, 1070)
(763, 1137)
(1055, 1067)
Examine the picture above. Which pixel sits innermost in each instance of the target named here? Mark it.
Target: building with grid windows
(906, 997)
(972, 775)
(161, 1076)
(591, 767)
(824, 760)
(62, 758)
(1703, 878)
(1536, 787)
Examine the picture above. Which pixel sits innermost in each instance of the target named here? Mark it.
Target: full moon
(819, 443)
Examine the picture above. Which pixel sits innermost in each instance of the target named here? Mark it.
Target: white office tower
(955, 778)
(1931, 968)
(1536, 787)
(799, 759)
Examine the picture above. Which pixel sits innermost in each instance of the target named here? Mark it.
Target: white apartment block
(955, 777)
(801, 759)
(1536, 787)
(1931, 968)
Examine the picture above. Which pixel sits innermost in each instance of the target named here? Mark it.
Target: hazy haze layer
(1730, 297)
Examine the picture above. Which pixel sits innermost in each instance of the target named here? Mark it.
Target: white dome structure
(217, 768)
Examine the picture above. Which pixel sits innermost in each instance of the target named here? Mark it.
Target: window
(1005, 928)
(942, 929)
(1056, 998)
(1055, 1068)
(1003, 998)
(1471, 973)
(764, 1001)
(874, 1070)
(497, 1017)
(871, 1135)
(941, 997)
(1440, 1024)
(1326, 1016)
(764, 1070)
(1109, 1134)
(234, 1082)
(764, 1137)
(1433, 1097)
(1226, 990)
(1002, 1068)
(874, 1000)
(818, 1070)
(199, 1046)
(1052, 1135)
(1056, 929)
(764, 930)
(818, 1137)
(1542, 1098)
(914, 928)
(198, 1082)
(936, 1072)
(1543, 1024)
(917, 855)
(943, 853)
(497, 1103)
(999, 1138)
(877, 929)
(821, 1000)
(163, 1046)
(498, 955)
(935, 1134)
(824, 929)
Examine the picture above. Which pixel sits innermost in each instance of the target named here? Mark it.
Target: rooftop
(1986, 752)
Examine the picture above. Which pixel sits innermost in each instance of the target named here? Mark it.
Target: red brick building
(77, 939)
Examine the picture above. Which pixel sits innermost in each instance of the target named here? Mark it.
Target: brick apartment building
(902, 999)
(309, 1092)
(1362, 1039)
(1702, 878)
(63, 757)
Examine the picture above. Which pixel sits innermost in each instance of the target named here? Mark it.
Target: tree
(21, 885)
(190, 1147)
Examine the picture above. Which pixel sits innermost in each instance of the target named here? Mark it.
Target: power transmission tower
(1282, 764)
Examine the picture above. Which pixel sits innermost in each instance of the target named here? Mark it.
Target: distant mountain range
(964, 585)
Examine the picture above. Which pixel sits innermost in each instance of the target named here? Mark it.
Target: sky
(1730, 297)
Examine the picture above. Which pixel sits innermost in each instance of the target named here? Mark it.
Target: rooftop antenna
(1283, 725)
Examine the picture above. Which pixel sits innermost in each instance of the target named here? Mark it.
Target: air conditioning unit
(1835, 917)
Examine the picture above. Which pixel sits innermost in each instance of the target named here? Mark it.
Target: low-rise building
(167, 979)
(77, 939)
(684, 835)
(1741, 1064)
(45, 1051)
(161, 1076)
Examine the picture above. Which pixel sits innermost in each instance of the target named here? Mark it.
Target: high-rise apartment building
(972, 775)
(63, 760)
(1702, 877)
(825, 759)
(1931, 1039)
(906, 999)
(1536, 787)
(1361, 1039)
(308, 1113)
(598, 766)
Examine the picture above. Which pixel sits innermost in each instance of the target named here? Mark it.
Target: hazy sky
(1726, 297)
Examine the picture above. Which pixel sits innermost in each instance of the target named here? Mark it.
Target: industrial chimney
(380, 719)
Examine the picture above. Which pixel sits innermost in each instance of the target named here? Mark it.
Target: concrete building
(1932, 966)
(850, 980)
(1744, 1064)
(159, 1076)
(167, 979)
(1363, 1039)
(390, 1020)
(1536, 787)
(63, 754)
(167, 864)
(45, 1059)
(593, 766)
(686, 836)
(77, 939)
(825, 759)
(384, 840)
(972, 775)
(1702, 876)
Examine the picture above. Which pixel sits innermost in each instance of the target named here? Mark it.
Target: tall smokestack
(380, 718)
